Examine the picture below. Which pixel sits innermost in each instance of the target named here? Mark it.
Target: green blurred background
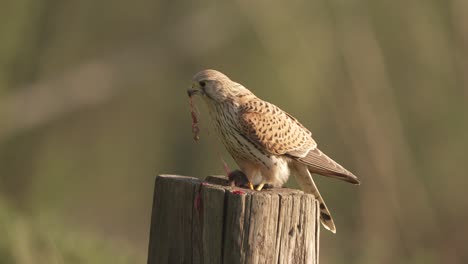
(93, 107)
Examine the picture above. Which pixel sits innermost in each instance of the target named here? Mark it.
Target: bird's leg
(260, 186)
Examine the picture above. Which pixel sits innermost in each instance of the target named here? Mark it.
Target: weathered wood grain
(210, 222)
(172, 218)
(213, 223)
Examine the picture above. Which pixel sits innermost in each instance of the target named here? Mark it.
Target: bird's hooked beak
(192, 92)
(195, 89)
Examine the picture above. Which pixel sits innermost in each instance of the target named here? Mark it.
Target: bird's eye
(202, 83)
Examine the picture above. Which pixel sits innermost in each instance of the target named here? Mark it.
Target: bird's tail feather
(307, 184)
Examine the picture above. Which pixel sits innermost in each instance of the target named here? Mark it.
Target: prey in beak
(193, 112)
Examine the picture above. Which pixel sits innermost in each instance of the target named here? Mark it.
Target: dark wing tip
(345, 176)
(352, 179)
(321, 164)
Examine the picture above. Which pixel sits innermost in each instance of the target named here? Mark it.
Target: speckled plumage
(267, 143)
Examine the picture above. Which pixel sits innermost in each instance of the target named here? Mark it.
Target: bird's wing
(278, 133)
(274, 130)
(321, 164)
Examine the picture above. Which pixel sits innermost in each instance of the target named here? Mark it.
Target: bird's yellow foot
(251, 187)
(260, 187)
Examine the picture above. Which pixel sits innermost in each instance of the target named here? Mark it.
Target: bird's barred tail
(325, 216)
(307, 184)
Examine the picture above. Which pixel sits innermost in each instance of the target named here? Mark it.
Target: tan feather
(274, 130)
(307, 184)
(321, 164)
(267, 143)
(281, 134)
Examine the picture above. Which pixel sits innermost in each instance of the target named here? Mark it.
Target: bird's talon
(260, 187)
(251, 187)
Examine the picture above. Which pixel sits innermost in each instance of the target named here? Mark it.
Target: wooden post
(208, 222)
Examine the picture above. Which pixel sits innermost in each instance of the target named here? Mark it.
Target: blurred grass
(45, 240)
(93, 106)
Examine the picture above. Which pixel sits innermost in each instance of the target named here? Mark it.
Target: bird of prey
(267, 143)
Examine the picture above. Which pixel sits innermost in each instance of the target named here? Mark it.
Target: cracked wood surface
(195, 221)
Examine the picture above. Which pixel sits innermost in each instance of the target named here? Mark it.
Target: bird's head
(215, 87)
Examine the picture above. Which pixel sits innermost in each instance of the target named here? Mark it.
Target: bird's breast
(273, 169)
(238, 145)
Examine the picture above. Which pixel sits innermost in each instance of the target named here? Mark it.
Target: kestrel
(267, 143)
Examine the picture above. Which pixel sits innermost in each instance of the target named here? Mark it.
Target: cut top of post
(196, 221)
